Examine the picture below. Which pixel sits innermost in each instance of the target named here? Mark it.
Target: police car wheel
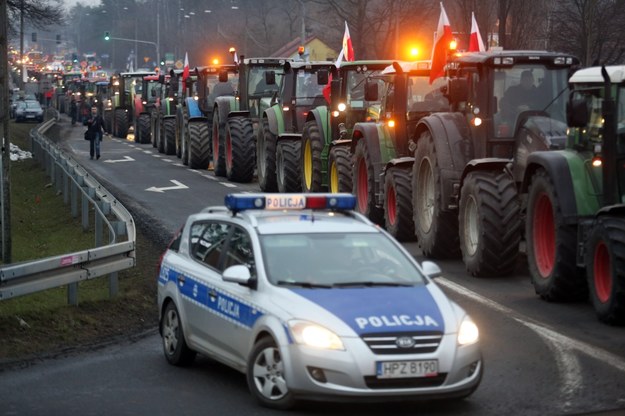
(174, 345)
(265, 376)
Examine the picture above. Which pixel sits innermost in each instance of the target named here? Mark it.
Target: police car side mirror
(431, 269)
(237, 274)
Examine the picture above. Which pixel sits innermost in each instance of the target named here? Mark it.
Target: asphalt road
(540, 358)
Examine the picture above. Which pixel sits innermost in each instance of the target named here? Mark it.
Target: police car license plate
(406, 369)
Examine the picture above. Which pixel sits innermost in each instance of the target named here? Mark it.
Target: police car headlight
(468, 333)
(316, 336)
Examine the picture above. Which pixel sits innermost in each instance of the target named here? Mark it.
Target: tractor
(325, 154)
(383, 148)
(575, 226)
(236, 127)
(163, 128)
(146, 105)
(186, 109)
(469, 162)
(126, 94)
(282, 123)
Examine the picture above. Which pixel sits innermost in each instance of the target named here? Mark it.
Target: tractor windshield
(257, 84)
(528, 87)
(308, 91)
(424, 97)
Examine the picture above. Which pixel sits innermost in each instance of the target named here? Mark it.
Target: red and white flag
(443, 38)
(476, 44)
(347, 53)
(185, 71)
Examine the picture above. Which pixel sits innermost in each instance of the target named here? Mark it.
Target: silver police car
(311, 300)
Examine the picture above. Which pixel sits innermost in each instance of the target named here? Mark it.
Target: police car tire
(364, 184)
(172, 332)
(199, 145)
(605, 260)
(143, 123)
(288, 166)
(312, 146)
(398, 219)
(438, 239)
(340, 164)
(169, 136)
(490, 224)
(218, 148)
(564, 281)
(266, 158)
(121, 123)
(239, 150)
(255, 381)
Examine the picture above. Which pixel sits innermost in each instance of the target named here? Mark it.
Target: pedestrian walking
(95, 124)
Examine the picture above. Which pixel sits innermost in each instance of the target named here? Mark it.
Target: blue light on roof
(241, 202)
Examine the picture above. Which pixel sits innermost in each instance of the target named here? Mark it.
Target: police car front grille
(405, 383)
(386, 343)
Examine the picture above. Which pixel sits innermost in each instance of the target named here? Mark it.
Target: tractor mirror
(371, 91)
(223, 76)
(270, 77)
(577, 112)
(322, 77)
(458, 90)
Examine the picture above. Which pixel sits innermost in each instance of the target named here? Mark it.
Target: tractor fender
(452, 141)
(557, 167)
(370, 134)
(193, 107)
(138, 106)
(168, 117)
(321, 116)
(400, 162)
(484, 164)
(224, 105)
(275, 120)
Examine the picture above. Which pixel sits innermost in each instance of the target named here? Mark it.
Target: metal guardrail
(76, 185)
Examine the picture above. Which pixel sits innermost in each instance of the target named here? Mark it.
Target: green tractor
(575, 227)
(236, 126)
(325, 154)
(187, 108)
(146, 105)
(163, 129)
(282, 123)
(126, 101)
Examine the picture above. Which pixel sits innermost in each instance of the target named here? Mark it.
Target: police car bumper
(351, 374)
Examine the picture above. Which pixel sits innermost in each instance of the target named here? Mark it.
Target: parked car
(28, 110)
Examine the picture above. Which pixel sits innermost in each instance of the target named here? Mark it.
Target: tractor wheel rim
(228, 150)
(391, 207)
(425, 196)
(307, 165)
(362, 189)
(471, 226)
(215, 141)
(544, 236)
(602, 273)
(334, 178)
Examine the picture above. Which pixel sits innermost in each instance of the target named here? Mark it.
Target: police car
(311, 300)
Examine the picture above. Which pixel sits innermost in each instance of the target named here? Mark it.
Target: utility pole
(23, 66)
(5, 157)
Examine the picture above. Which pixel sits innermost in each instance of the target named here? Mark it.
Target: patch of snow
(19, 154)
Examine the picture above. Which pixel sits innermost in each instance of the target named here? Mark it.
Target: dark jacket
(95, 124)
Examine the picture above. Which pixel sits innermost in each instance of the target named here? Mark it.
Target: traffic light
(58, 39)
(34, 36)
(74, 57)
(107, 36)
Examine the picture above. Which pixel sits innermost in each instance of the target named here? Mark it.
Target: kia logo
(405, 342)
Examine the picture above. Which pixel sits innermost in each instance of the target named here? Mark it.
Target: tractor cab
(260, 81)
(215, 81)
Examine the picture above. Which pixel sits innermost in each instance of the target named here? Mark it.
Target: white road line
(167, 160)
(228, 184)
(597, 353)
(157, 155)
(147, 152)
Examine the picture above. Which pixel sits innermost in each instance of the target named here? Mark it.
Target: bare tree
(36, 13)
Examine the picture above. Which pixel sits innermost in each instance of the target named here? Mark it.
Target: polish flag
(476, 44)
(442, 40)
(185, 71)
(347, 53)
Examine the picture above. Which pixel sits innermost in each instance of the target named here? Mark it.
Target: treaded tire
(240, 150)
(218, 139)
(605, 260)
(108, 121)
(265, 366)
(436, 229)
(168, 136)
(490, 224)
(551, 244)
(121, 123)
(266, 158)
(398, 219)
(174, 345)
(184, 138)
(340, 170)
(158, 134)
(288, 166)
(180, 130)
(199, 144)
(143, 125)
(311, 164)
(364, 184)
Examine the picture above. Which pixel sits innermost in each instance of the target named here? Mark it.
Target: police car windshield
(322, 260)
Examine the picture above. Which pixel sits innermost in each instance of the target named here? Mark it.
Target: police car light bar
(241, 202)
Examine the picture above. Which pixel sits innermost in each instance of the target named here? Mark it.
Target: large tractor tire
(143, 129)
(155, 131)
(490, 224)
(605, 260)
(199, 144)
(184, 138)
(181, 126)
(219, 149)
(266, 158)
(364, 184)
(168, 136)
(398, 219)
(159, 136)
(551, 244)
(121, 123)
(240, 150)
(312, 146)
(288, 166)
(340, 170)
(436, 229)
(108, 121)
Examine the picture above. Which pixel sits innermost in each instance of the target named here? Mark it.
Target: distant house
(314, 50)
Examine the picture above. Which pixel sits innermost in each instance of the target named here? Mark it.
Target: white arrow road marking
(168, 188)
(126, 159)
